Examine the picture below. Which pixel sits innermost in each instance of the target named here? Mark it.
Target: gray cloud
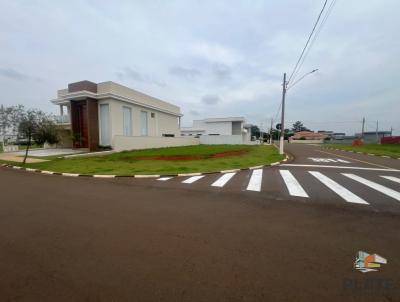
(13, 74)
(129, 74)
(194, 112)
(222, 72)
(188, 73)
(210, 99)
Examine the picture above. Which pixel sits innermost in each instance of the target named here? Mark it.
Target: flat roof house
(226, 130)
(110, 114)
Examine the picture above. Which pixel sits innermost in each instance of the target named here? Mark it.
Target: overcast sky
(212, 58)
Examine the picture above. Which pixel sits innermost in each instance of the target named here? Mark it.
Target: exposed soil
(191, 157)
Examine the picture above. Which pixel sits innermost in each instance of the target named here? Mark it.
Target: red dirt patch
(191, 157)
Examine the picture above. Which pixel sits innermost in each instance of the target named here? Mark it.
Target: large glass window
(104, 125)
(127, 120)
(144, 123)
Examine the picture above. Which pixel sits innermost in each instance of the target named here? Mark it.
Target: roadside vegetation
(202, 158)
(392, 150)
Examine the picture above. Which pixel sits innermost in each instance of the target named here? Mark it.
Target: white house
(110, 114)
(227, 130)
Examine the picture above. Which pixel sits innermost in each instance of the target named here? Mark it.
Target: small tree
(35, 124)
(298, 126)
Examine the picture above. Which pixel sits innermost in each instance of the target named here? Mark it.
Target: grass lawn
(392, 150)
(202, 158)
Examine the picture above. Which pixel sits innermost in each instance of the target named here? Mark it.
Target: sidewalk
(15, 157)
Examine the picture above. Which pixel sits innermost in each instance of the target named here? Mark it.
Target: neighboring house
(308, 135)
(228, 130)
(109, 114)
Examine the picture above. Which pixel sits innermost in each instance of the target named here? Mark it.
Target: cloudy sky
(212, 58)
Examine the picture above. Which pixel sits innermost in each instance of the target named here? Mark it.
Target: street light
(308, 73)
(285, 88)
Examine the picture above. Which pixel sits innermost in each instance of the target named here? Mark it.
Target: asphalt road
(86, 239)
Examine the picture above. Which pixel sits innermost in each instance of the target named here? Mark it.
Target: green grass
(392, 150)
(127, 163)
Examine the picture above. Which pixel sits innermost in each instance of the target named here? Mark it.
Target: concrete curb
(144, 175)
(358, 152)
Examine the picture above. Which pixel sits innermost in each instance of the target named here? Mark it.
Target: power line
(326, 16)
(308, 41)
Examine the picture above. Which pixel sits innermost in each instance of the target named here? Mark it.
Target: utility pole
(362, 130)
(377, 136)
(282, 138)
(270, 131)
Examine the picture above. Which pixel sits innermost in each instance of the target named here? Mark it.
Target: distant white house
(226, 130)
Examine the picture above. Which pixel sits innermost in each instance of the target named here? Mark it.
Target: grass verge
(135, 162)
(392, 150)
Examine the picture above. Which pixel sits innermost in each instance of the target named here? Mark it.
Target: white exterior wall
(221, 139)
(162, 123)
(122, 143)
(221, 128)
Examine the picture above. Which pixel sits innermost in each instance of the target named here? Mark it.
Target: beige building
(110, 114)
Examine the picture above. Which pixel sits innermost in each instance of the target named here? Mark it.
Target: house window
(104, 125)
(144, 123)
(127, 121)
(168, 135)
(153, 115)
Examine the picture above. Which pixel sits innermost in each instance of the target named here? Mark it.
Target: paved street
(333, 178)
(285, 233)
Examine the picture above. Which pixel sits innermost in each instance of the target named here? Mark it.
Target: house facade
(227, 130)
(110, 114)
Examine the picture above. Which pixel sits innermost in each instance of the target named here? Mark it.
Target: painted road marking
(340, 167)
(295, 189)
(361, 161)
(164, 178)
(255, 181)
(220, 182)
(389, 192)
(392, 178)
(337, 188)
(192, 179)
(328, 160)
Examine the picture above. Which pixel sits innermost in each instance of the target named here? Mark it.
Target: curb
(358, 152)
(143, 175)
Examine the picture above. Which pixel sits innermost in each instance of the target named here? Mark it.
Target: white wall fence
(122, 143)
(307, 141)
(224, 140)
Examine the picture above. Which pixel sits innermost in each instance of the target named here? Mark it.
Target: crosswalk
(298, 187)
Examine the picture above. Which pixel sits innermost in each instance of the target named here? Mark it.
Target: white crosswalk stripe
(392, 178)
(255, 181)
(192, 179)
(164, 178)
(220, 182)
(337, 188)
(385, 190)
(295, 189)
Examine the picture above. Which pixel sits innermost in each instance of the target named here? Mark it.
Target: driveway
(18, 156)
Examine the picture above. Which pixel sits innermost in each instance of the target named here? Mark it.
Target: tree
(35, 124)
(298, 126)
(9, 120)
